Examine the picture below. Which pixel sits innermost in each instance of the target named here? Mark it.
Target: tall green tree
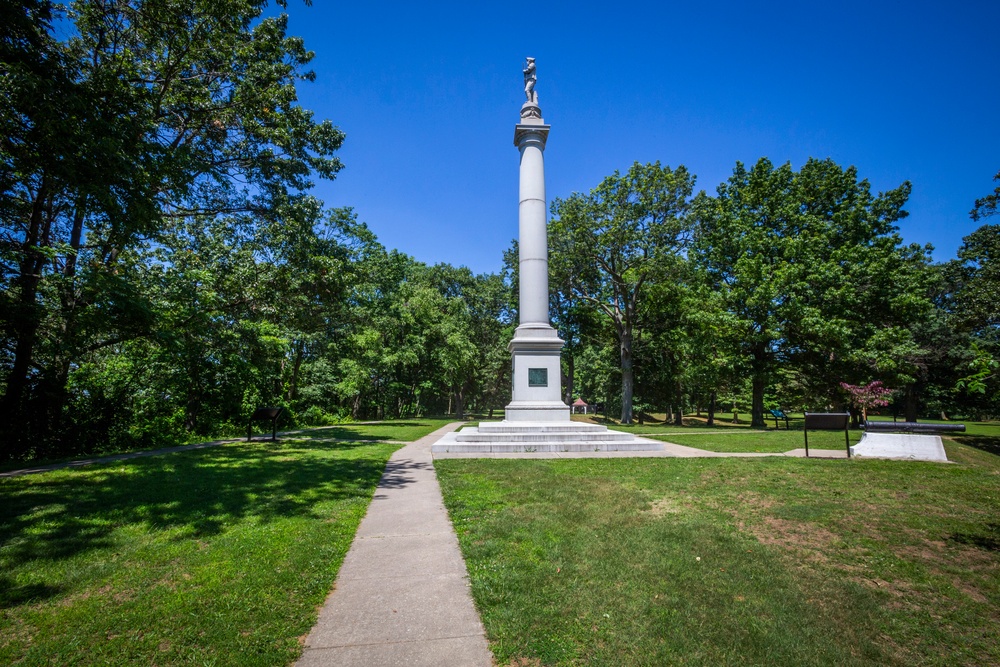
(976, 273)
(811, 267)
(987, 206)
(610, 245)
(971, 310)
(148, 112)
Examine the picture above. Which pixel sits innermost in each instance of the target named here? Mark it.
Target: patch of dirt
(123, 596)
(70, 600)
(808, 539)
(525, 662)
(663, 506)
(899, 591)
(969, 590)
(21, 633)
(935, 554)
(755, 500)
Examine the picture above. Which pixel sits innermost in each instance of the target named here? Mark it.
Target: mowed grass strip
(771, 561)
(218, 556)
(746, 440)
(401, 430)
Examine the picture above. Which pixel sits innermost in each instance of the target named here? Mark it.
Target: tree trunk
(757, 402)
(191, 409)
(910, 406)
(570, 379)
(27, 314)
(711, 409)
(679, 397)
(293, 382)
(460, 402)
(628, 378)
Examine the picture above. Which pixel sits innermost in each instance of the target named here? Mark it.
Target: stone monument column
(537, 376)
(536, 419)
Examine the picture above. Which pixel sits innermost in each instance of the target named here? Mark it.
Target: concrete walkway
(402, 595)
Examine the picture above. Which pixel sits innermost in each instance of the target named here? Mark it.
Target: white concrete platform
(900, 446)
(529, 437)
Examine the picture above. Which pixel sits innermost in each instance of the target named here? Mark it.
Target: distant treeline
(165, 270)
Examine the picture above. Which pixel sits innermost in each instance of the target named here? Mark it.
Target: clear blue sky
(429, 93)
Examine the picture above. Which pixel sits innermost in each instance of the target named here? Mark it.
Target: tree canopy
(165, 269)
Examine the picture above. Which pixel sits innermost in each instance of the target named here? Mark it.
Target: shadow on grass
(355, 431)
(57, 516)
(988, 540)
(12, 595)
(984, 443)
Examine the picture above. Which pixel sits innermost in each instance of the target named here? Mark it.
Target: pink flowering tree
(867, 396)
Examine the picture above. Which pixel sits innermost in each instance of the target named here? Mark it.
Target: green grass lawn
(771, 561)
(403, 430)
(985, 435)
(746, 440)
(216, 556)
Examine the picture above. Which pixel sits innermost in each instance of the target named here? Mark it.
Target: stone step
(540, 427)
(609, 436)
(523, 447)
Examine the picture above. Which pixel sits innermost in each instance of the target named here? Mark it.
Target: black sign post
(827, 421)
(263, 415)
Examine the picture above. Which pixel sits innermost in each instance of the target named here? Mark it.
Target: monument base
(536, 411)
(537, 374)
(508, 437)
(900, 446)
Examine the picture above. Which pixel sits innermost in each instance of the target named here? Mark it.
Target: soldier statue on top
(529, 81)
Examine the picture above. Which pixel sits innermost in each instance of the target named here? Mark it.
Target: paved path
(402, 595)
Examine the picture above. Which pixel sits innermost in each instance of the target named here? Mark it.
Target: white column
(536, 376)
(533, 245)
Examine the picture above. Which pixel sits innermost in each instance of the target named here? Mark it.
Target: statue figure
(529, 81)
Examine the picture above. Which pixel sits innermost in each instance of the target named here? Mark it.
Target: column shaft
(533, 249)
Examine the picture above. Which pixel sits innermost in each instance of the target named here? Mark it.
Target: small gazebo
(579, 405)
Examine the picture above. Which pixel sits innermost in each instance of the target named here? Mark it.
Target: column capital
(531, 132)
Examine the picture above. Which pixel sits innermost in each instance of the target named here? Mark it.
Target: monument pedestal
(536, 371)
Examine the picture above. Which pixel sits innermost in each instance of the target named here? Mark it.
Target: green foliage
(608, 247)
(170, 115)
(810, 267)
(987, 206)
(167, 272)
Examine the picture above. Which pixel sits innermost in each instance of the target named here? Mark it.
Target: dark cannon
(912, 427)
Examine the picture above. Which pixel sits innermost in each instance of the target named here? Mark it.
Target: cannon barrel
(912, 427)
